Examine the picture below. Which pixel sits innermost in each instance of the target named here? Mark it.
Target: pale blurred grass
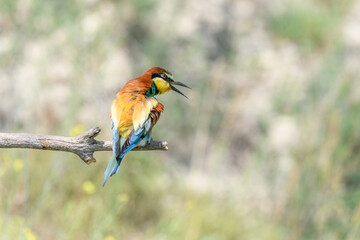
(311, 24)
(266, 147)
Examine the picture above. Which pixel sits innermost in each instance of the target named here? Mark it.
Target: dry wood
(83, 145)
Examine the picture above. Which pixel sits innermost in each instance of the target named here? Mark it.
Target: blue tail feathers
(112, 168)
(122, 146)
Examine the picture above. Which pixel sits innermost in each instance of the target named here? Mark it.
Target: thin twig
(83, 145)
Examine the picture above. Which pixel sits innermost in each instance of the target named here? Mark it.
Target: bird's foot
(144, 142)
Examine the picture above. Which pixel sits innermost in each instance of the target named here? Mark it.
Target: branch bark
(83, 145)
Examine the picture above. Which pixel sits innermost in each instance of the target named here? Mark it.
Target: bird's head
(164, 81)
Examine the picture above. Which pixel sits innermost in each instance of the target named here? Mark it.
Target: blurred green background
(267, 147)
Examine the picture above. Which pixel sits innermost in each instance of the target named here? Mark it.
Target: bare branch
(83, 145)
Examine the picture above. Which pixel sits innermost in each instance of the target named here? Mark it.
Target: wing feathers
(142, 110)
(133, 117)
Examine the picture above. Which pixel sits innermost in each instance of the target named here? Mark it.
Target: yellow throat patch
(162, 85)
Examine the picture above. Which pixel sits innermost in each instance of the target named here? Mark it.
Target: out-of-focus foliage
(267, 146)
(318, 20)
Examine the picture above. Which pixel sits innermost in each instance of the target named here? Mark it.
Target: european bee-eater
(135, 111)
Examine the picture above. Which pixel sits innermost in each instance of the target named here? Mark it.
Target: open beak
(177, 90)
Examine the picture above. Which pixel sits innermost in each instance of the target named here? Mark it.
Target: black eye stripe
(160, 75)
(155, 75)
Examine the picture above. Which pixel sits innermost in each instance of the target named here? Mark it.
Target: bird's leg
(148, 137)
(146, 140)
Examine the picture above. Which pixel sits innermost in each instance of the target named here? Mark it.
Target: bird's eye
(163, 76)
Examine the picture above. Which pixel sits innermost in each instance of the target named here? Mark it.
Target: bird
(135, 111)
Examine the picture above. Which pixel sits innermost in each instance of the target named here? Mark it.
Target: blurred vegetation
(267, 147)
(311, 24)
